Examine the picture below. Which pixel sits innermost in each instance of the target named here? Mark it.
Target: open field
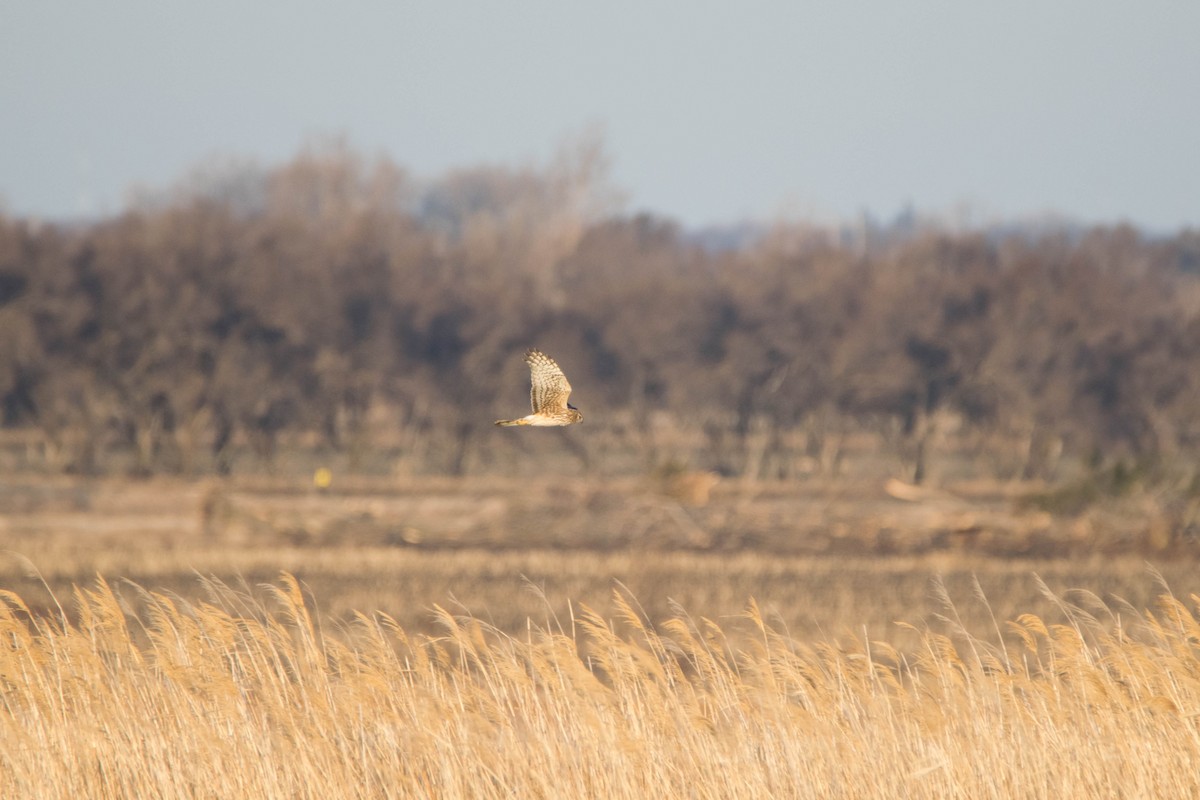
(818, 559)
(567, 639)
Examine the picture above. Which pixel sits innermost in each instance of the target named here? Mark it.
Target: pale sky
(712, 112)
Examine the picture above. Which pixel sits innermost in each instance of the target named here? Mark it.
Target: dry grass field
(266, 639)
(230, 696)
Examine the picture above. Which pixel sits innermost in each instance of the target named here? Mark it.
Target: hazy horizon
(711, 114)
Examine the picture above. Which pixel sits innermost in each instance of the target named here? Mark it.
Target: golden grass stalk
(155, 696)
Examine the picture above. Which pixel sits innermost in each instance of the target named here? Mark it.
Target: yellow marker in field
(322, 478)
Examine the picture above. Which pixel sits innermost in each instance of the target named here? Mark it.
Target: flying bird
(548, 393)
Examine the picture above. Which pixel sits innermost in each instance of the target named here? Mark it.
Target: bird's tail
(506, 422)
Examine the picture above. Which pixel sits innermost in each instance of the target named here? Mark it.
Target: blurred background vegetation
(337, 311)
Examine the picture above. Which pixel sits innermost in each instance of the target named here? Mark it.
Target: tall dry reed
(139, 694)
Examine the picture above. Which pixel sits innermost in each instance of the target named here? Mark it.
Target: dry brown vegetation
(337, 308)
(497, 662)
(818, 557)
(149, 695)
(791, 445)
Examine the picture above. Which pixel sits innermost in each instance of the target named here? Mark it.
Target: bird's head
(576, 416)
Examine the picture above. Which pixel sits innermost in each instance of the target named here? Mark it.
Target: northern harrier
(549, 394)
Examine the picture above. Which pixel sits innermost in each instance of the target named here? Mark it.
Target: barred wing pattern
(548, 394)
(549, 389)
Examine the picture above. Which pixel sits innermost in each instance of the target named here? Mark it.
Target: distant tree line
(337, 304)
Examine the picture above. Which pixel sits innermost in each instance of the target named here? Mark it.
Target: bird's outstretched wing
(549, 388)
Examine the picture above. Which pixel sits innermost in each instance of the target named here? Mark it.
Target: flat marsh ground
(439, 638)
